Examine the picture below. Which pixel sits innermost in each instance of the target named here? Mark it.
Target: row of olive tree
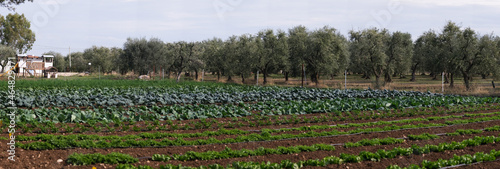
(371, 52)
(321, 52)
(102, 58)
(380, 53)
(143, 56)
(456, 52)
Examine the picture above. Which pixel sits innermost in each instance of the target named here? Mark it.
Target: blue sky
(59, 24)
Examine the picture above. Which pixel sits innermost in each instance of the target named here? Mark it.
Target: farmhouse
(30, 65)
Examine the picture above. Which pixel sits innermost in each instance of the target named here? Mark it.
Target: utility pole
(345, 80)
(70, 58)
(257, 82)
(305, 77)
(442, 82)
(303, 74)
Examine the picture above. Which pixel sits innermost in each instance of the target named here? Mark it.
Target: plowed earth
(49, 158)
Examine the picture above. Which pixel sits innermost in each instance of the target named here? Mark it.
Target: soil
(48, 158)
(256, 128)
(483, 165)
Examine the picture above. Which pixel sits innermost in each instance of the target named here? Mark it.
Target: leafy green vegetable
(111, 158)
(373, 156)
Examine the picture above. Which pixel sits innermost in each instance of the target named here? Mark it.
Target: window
(49, 60)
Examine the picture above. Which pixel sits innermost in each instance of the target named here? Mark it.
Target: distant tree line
(374, 53)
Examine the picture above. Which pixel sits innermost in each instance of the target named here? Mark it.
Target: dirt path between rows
(258, 128)
(48, 158)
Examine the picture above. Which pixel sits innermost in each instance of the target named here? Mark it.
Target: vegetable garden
(204, 125)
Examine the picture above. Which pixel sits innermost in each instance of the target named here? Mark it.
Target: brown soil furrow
(221, 137)
(38, 158)
(404, 161)
(445, 129)
(482, 165)
(258, 128)
(257, 131)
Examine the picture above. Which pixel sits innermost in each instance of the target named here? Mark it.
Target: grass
(104, 81)
(424, 83)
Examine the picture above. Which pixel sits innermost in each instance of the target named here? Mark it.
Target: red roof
(30, 56)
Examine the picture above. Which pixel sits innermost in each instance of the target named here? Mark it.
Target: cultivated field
(89, 123)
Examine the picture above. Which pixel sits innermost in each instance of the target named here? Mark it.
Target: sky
(75, 25)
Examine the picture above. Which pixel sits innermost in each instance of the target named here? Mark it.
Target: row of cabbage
(202, 111)
(101, 97)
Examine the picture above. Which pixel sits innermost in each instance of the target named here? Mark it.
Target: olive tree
(476, 52)
(368, 52)
(5, 53)
(229, 55)
(449, 44)
(272, 51)
(78, 62)
(297, 47)
(141, 55)
(327, 53)
(426, 54)
(195, 62)
(100, 57)
(182, 54)
(399, 54)
(212, 55)
(243, 58)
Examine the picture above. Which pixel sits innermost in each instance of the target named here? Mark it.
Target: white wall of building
(24, 60)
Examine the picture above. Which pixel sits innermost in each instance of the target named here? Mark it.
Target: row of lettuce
(148, 96)
(241, 109)
(118, 158)
(48, 142)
